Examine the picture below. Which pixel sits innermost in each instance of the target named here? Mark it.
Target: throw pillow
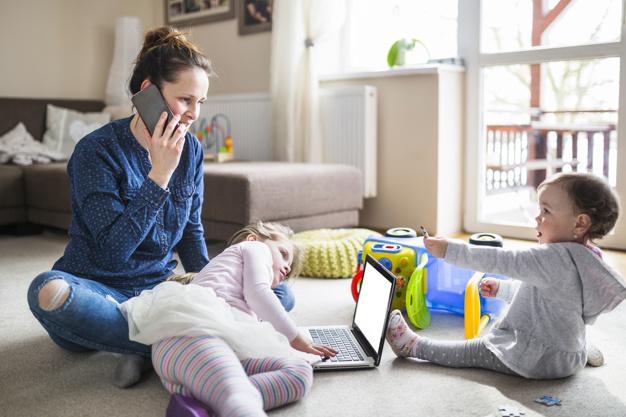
(65, 127)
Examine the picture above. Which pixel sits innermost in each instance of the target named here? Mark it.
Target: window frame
(469, 22)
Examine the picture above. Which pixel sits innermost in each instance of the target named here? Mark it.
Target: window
(545, 95)
(508, 24)
(371, 28)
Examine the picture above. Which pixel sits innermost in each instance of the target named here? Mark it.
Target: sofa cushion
(48, 187)
(11, 186)
(12, 207)
(243, 192)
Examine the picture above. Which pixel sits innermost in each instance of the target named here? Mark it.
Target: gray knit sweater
(564, 287)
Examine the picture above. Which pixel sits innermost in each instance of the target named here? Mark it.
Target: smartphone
(424, 231)
(150, 104)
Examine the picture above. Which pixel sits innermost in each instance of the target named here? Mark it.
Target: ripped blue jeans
(89, 318)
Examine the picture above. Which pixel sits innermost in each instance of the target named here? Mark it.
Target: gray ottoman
(302, 196)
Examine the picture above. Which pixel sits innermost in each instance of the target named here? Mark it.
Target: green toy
(416, 307)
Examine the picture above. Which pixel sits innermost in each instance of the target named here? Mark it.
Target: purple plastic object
(181, 406)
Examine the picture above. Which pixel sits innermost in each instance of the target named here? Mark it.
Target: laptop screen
(370, 315)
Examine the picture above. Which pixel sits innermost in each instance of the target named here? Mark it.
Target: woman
(135, 199)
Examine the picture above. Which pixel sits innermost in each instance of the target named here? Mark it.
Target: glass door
(544, 95)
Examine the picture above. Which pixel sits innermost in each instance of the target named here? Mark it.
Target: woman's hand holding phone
(165, 147)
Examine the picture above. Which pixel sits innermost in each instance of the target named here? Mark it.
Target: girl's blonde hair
(591, 195)
(272, 231)
(263, 231)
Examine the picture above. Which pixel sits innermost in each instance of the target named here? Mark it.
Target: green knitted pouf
(331, 253)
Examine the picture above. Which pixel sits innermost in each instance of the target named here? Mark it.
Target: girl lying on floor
(207, 341)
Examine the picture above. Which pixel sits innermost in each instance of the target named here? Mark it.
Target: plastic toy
(215, 137)
(425, 283)
(548, 400)
(506, 411)
(180, 406)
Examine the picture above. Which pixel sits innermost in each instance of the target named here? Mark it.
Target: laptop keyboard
(339, 339)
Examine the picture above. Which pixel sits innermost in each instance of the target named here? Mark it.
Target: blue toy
(425, 283)
(548, 400)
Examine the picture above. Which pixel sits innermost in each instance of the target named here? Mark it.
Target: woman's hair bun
(166, 51)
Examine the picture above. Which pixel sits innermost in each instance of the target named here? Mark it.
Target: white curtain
(298, 27)
(128, 40)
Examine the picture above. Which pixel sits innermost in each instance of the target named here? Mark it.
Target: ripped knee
(53, 294)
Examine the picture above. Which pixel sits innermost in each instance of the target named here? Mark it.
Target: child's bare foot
(401, 338)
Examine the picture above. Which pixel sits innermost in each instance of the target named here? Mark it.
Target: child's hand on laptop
(305, 345)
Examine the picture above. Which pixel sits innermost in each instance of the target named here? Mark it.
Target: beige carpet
(39, 379)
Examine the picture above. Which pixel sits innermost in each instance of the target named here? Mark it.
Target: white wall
(63, 48)
(420, 149)
(242, 63)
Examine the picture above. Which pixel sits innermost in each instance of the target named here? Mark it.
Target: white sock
(401, 338)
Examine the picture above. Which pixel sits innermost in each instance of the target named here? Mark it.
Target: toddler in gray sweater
(559, 287)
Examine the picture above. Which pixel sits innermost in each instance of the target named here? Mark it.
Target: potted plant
(397, 53)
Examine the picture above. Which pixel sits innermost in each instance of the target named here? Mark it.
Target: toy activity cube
(425, 283)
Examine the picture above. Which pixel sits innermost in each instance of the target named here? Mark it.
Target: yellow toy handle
(474, 323)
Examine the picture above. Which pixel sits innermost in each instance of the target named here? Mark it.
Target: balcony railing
(524, 155)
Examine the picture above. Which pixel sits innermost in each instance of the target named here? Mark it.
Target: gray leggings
(462, 354)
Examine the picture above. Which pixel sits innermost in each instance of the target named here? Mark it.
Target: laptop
(361, 344)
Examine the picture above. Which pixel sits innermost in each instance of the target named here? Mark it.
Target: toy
(426, 283)
(506, 411)
(215, 137)
(548, 400)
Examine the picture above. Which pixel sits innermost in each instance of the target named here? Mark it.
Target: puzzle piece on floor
(548, 400)
(506, 411)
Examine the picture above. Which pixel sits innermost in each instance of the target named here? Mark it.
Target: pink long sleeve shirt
(242, 275)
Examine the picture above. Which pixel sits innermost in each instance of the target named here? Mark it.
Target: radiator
(348, 118)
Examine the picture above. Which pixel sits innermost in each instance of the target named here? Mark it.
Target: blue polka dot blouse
(125, 227)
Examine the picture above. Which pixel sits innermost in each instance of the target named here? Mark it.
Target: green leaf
(394, 51)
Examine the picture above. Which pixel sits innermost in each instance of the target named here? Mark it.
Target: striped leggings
(207, 369)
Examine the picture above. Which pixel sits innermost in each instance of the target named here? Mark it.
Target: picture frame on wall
(254, 16)
(196, 12)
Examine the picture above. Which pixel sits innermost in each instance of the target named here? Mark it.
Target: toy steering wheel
(401, 232)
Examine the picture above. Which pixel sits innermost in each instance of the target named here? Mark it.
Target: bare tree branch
(549, 17)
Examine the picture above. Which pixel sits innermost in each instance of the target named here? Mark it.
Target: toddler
(563, 285)
(212, 340)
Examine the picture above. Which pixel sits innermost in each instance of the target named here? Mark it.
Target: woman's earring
(575, 236)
